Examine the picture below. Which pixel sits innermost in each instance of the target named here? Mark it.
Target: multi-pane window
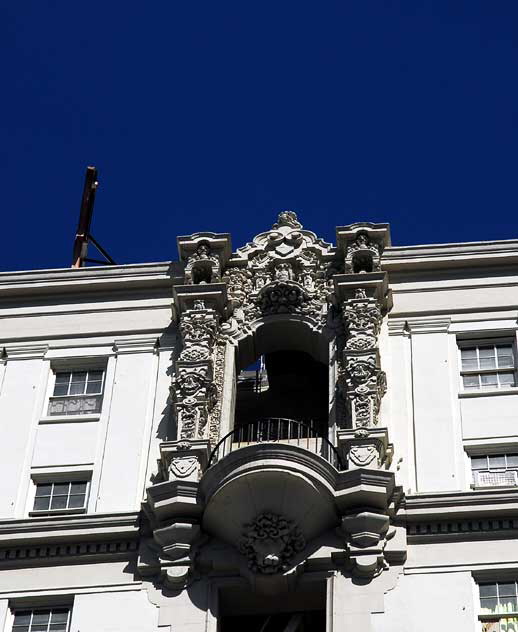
(499, 607)
(77, 392)
(41, 620)
(56, 496)
(487, 366)
(495, 470)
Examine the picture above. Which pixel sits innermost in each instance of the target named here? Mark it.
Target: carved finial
(287, 218)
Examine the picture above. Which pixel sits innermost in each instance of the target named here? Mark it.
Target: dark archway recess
(288, 384)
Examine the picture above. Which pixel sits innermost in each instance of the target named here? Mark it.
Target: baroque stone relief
(270, 543)
(286, 270)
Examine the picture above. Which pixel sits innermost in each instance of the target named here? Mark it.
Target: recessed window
(41, 620)
(487, 366)
(77, 392)
(60, 496)
(495, 470)
(499, 606)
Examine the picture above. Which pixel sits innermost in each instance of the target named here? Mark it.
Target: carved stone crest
(270, 542)
(182, 467)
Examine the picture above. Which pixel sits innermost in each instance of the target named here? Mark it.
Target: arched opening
(286, 384)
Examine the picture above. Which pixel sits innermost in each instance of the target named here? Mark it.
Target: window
(487, 366)
(41, 620)
(498, 607)
(77, 392)
(495, 470)
(60, 496)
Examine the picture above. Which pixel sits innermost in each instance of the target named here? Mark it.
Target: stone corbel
(173, 510)
(183, 459)
(365, 447)
(366, 534)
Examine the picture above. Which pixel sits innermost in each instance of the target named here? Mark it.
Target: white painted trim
(69, 419)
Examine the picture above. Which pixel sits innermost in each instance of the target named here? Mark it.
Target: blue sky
(216, 115)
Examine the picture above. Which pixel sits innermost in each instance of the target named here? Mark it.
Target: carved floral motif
(270, 542)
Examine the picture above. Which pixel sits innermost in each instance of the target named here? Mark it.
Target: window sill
(479, 488)
(56, 512)
(61, 419)
(489, 393)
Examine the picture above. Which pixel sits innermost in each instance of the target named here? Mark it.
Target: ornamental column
(364, 297)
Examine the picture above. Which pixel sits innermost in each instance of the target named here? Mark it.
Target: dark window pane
(41, 503)
(488, 380)
(76, 501)
(40, 627)
(487, 363)
(468, 353)
(59, 502)
(478, 463)
(497, 461)
(43, 490)
(507, 379)
(487, 590)
(60, 389)
(61, 489)
(507, 589)
(95, 376)
(63, 378)
(21, 628)
(470, 381)
(512, 460)
(40, 617)
(508, 604)
(59, 615)
(94, 387)
(486, 352)
(78, 488)
(58, 627)
(22, 617)
(77, 388)
(489, 603)
(505, 362)
(469, 364)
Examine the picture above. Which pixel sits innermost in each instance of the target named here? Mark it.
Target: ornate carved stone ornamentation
(193, 388)
(270, 542)
(364, 382)
(362, 255)
(285, 270)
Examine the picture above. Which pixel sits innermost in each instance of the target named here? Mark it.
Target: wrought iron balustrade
(277, 430)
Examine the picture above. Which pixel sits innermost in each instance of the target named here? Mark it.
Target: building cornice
(62, 529)
(434, 256)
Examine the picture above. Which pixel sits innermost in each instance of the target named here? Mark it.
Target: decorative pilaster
(364, 300)
(364, 297)
(193, 388)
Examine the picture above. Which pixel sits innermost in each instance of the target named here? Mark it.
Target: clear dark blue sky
(216, 115)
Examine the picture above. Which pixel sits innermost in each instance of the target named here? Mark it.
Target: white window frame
(32, 605)
(73, 365)
(496, 470)
(47, 476)
(491, 621)
(470, 343)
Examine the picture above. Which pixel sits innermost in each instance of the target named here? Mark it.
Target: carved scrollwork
(270, 542)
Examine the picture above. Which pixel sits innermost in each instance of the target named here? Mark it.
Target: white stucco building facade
(292, 435)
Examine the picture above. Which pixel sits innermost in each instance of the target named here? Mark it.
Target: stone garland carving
(365, 382)
(270, 542)
(193, 388)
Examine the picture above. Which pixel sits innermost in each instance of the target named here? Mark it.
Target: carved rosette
(270, 543)
(193, 387)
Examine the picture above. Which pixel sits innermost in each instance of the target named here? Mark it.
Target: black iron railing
(277, 429)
